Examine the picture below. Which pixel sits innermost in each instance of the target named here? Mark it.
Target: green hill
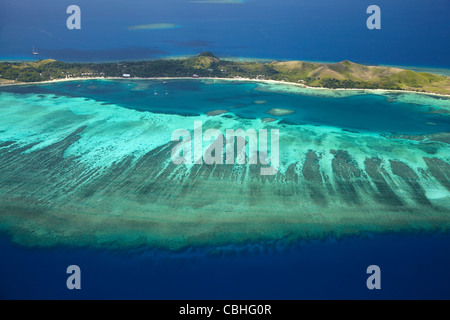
(203, 61)
(347, 74)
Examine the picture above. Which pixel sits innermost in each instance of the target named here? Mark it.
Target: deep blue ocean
(413, 33)
(412, 267)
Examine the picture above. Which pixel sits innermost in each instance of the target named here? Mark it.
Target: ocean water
(93, 177)
(413, 33)
(380, 113)
(127, 119)
(412, 267)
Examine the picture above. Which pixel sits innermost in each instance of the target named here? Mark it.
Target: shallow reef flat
(440, 101)
(83, 173)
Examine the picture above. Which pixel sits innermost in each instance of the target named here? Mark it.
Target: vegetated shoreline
(227, 79)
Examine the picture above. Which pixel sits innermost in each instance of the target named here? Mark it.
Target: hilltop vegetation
(344, 74)
(347, 74)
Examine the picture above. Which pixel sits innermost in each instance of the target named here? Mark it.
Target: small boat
(34, 52)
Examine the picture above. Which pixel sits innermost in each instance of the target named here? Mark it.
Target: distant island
(341, 75)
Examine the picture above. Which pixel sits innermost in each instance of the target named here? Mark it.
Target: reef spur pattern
(78, 172)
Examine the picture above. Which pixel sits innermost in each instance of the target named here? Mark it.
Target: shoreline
(279, 82)
(439, 70)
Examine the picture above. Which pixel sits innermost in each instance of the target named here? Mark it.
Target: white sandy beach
(279, 82)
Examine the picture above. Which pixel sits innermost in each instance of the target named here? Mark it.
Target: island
(341, 75)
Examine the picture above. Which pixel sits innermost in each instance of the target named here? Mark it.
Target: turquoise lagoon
(358, 110)
(97, 154)
(86, 172)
